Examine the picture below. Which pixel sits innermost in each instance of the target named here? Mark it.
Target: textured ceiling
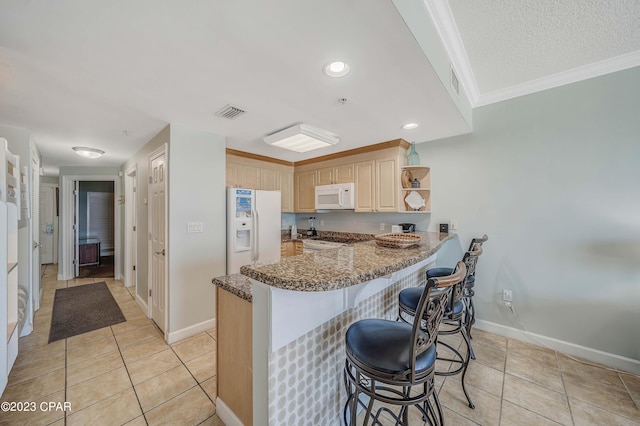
(80, 73)
(507, 48)
(510, 42)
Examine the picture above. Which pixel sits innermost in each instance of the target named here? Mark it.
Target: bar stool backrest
(429, 313)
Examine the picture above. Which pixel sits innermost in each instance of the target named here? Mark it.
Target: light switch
(194, 227)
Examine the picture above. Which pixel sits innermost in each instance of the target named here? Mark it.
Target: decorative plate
(415, 201)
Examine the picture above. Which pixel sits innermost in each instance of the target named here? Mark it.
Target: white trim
(65, 257)
(444, 22)
(129, 277)
(140, 301)
(574, 75)
(227, 416)
(192, 330)
(445, 25)
(160, 151)
(595, 355)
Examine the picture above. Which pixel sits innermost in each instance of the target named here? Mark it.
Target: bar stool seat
(380, 345)
(390, 366)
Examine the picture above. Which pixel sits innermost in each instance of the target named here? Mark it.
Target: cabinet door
(364, 185)
(232, 175)
(249, 177)
(343, 173)
(298, 248)
(386, 194)
(324, 176)
(268, 179)
(305, 191)
(285, 185)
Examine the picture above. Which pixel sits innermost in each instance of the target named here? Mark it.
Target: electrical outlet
(381, 226)
(453, 225)
(507, 296)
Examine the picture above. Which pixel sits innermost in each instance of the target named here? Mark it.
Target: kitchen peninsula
(281, 327)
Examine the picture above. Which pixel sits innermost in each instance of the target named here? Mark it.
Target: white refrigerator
(253, 227)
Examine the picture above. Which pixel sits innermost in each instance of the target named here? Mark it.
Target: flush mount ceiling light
(302, 138)
(337, 69)
(85, 152)
(409, 126)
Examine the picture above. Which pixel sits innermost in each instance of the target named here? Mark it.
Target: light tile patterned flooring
(127, 374)
(123, 374)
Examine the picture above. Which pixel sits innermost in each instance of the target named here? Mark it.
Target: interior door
(47, 225)
(157, 208)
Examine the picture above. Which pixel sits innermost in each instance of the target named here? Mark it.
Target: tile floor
(123, 374)
(127, 374)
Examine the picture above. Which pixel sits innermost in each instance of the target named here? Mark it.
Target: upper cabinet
(305, 191)
(244, 170)
(342, 173)
(379, 172)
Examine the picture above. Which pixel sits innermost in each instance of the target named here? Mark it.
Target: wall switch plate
(507, 296)
(454, 225)
(194, 227)
(381, 226)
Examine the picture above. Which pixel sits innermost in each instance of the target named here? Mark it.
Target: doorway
(48, 224)
(96, 229)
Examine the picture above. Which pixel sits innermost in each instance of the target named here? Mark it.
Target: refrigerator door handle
(257, 235)
(252, 236)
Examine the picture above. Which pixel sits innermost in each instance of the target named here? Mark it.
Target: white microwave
(340, 196)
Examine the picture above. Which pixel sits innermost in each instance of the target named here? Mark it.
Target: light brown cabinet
(291, 248)
(269, 180)
(285, 185)
(364, 186)
(386, 187)
(375, 170)
(305, 191)
(342, 173)
(252, 173)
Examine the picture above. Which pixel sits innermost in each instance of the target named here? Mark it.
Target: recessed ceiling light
(337, 69)
(409, 126)
(85, 152)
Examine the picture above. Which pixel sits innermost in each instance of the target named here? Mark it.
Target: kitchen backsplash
(348, 221)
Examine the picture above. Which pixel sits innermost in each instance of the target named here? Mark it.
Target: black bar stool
(452, 319)
(387, 361)
(469, 308)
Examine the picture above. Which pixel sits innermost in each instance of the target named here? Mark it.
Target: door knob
(160, 252)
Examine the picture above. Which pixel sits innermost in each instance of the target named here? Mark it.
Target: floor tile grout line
(130, 380)
(564, 387)
(194, 377)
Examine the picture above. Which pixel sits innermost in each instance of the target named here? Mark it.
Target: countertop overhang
(333, 269)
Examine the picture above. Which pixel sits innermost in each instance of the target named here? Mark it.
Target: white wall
(141, 160)
(196, 194)
(554, 179)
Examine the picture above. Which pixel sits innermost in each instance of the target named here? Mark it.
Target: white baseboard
(183, 333)
(227, 416)
(594, 355)
(142, 304)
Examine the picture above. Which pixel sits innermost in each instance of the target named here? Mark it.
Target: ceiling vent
(230, 112)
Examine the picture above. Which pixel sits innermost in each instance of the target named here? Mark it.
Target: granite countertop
(237, 284)
(338, 237)
(343, 267)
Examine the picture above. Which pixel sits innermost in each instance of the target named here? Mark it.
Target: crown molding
(596, 69)
(445, 25)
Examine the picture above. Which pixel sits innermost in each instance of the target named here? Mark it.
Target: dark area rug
(81, 309)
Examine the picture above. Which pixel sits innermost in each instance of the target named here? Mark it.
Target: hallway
(123, 374)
